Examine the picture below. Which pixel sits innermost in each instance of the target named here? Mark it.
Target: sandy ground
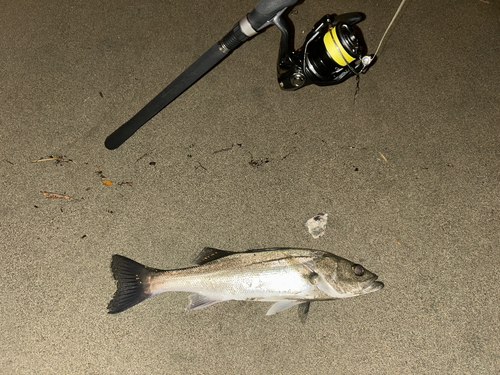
(408, 173)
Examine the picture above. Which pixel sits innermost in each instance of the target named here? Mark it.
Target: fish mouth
(373, 286)
(376, 285)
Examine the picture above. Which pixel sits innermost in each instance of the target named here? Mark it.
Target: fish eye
(358, 270)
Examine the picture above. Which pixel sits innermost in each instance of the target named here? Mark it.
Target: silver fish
(285, 276)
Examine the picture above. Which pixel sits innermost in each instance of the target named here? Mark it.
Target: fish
(286, 276)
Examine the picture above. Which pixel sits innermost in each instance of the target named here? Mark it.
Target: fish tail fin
(132, 283)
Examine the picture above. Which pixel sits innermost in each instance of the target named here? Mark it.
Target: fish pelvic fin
(132, 283)
(282, 305)
(303, 311)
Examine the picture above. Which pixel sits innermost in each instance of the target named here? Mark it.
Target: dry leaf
(50, 195)
(106, 182)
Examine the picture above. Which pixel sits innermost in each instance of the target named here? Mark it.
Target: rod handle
(266, 10)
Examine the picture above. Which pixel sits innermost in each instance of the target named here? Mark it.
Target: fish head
(341, 278)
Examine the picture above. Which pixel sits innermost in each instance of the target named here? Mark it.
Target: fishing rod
(332, 52)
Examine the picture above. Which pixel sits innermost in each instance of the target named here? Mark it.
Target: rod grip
(266, 10)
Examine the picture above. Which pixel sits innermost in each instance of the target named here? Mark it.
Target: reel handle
(266, 10)
(350, 18)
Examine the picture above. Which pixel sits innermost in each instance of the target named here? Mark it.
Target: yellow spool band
(335, 48)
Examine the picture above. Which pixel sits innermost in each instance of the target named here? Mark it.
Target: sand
(407, 171)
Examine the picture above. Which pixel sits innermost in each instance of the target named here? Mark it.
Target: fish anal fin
(199, 301)
(282, 305)
(303, 311)
(209, 254)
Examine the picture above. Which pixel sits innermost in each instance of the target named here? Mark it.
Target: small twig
(50, 195)
(290, 153)
(59, 159)
(200, 166)
(357, 88)
(146, 154)
(223, 150)
(383, 157)
(227, 148)
(257, 163)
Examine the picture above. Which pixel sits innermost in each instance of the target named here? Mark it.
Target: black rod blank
(192, 74)
(259, 18)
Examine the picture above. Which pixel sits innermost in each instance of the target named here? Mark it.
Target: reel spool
(333, 52)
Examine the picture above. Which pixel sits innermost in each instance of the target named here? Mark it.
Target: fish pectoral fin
(303, 311)
(282, 305)
(199, 301)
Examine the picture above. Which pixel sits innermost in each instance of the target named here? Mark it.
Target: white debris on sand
(317, 225)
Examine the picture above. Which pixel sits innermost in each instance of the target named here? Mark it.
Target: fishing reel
(332, 52)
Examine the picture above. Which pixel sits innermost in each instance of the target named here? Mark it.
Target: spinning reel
(333, 51)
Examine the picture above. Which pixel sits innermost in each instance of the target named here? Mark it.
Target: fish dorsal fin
(282, 305)
(209, 254)
(199, 301)
(267, 249)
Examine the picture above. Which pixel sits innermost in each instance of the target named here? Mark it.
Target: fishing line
(388, 27)
(366, 60)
